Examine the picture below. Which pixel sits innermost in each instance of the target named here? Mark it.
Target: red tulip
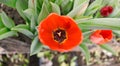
(59, 33)
(106, 11)
(101, 36)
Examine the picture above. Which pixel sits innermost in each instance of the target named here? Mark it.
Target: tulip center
(59, 35)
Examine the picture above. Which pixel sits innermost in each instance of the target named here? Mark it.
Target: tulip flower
(101, 36)
(59, 33)
(106, 11)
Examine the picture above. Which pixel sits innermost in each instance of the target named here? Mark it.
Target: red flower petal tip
(59, 33)
(101, 36)
(106, 11)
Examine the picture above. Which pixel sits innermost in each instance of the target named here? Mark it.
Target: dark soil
(12, 13)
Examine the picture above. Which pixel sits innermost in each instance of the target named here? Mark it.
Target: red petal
(74, 34)
(51, 23)
(101, 36)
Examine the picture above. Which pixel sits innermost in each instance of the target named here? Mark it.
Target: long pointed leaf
(29, 13)
(35, 47)
(44, 12)
(86, 52)
(20, 6)
(77, 9)
(3, 30)
(24, 31)
(7, 21)
(55, 8)
(108, 48)
(100, 23)
(33, 24)
(8, 34)
(1, 23)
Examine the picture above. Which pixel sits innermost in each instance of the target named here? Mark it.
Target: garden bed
(21, 45)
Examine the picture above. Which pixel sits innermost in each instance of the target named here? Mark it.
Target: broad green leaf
(3, 30)
(100, 23)
(44, 12)
(76, 10)
(86, 34)
(8, 34)
(93, 7)
(1, 23)
(64, 3)
(117, 32)
(67, 8)
(38, 6)
(33, 24)
(86, 52)
(55, 8)
(82, 18)
(78, 2)
(24, 26)
(31, 4)
(21, 5)
(36, 46)
(10, 3)
(29, 13)
(108, 48)
(59, 2)
(7, 21)
(24, 31)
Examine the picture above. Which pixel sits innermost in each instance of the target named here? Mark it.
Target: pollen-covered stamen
(59, 35)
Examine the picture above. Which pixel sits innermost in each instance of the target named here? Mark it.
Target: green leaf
(58, 2)
(3, 30)
(67, 8)
(86, 52)
(55, 8)
(31, 4)
(108, 48)
(20, 6)
(76, 10)
(38, 6)
(33, 24)
(10, 3)
(24, 26)
(64, 3)
(78, 2)
(100, 23)
(93, 7)
(1, 24)
(117, 32)
(36, 46)
(24, 31)
(29, 13)
(82, 18)
(7, 21)
(8, 34)
(44, 12)
(86, 34)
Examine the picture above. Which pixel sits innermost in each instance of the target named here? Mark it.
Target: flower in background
(101, 36)
(106, 11)
(59, 33)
